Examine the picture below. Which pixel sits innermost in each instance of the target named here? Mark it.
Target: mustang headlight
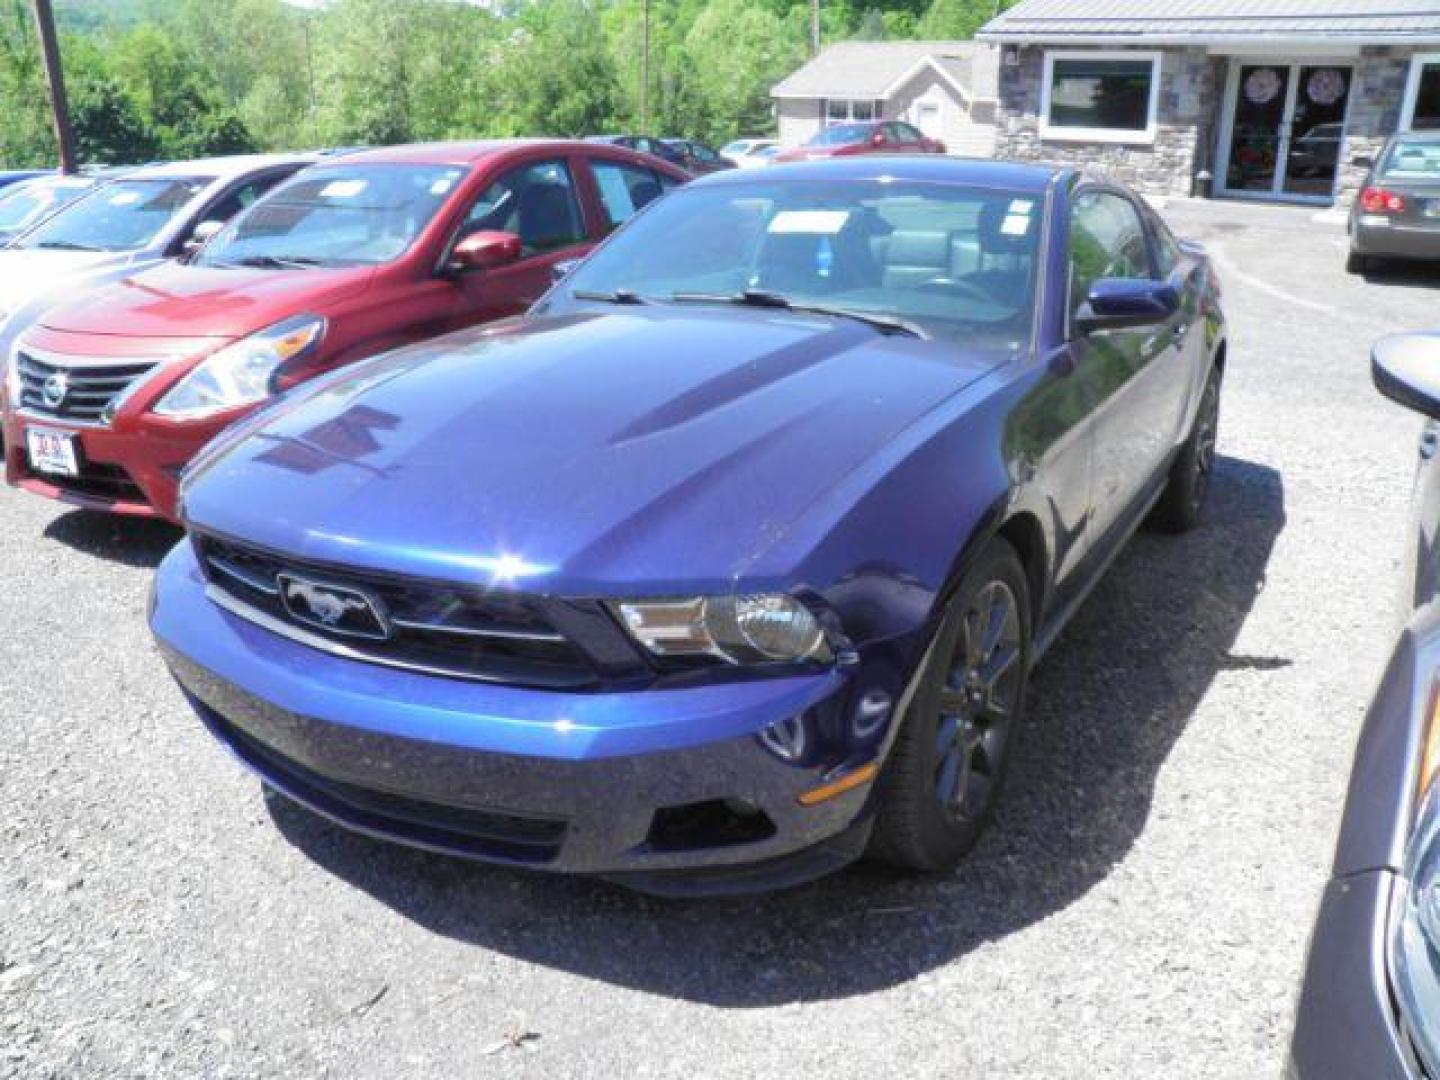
(242, 373)
(769, 628)
(1415, 928)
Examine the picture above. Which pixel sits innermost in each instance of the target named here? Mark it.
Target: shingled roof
(876, 69)
(1180, 21)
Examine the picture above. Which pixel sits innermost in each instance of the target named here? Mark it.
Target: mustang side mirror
(1406, 368)
(563, 269)
(201, 235)
(1121, 303)
(484, 250)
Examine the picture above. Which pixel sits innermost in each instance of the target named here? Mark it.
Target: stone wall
(1377, 91)
(1190, 84)
(1192, 92)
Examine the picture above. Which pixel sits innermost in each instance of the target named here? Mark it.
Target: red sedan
(874, 137)
(107, 399)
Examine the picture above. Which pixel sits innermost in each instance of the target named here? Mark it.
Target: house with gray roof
(944, 88)
(1260, 99)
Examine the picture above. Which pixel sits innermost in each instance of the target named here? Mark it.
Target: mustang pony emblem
(332, 607)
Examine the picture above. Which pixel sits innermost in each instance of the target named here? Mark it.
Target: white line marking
(1217, 253)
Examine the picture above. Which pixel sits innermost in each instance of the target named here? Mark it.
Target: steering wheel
(952, 286)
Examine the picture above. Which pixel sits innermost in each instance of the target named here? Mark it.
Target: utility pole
(50, 51)
(814, 27)
(644, 67)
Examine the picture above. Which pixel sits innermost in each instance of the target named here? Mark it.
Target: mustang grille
(429, 627)
(88, 388)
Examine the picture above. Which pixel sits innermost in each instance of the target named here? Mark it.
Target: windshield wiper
(763, 298)
(273, 262)
(614, 296)
(67, 245)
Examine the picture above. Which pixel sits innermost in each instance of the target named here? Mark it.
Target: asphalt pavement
(1140, 910)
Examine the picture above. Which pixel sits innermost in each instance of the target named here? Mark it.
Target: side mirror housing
(201, 235)
(484, 250)
(1123, 303)
(878, 139)
(1406, 369)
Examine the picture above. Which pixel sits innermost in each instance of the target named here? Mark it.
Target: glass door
(1286, 127)
(1317, 128)
(1262, 98)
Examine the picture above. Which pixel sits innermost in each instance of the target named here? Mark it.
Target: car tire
(1183, 499)
(938, 790)
(1355, 263)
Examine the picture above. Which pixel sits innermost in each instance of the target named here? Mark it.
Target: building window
(1421, 111)
(844, 112)
(1100, 96)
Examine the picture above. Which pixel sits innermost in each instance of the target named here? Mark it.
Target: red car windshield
(841, 135)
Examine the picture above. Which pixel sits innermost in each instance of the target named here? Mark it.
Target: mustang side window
(1107, 240)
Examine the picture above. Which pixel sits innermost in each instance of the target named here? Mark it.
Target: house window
(1100, 96)
(1421, 111)
(844, 112)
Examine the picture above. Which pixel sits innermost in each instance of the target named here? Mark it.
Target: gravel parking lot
(1141, 910)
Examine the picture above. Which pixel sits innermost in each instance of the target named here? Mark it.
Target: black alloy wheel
(945, 773)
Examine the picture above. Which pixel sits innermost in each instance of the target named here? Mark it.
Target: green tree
(109, 129)
(948, 20)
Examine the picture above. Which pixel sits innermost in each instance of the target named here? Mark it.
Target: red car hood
(806, 153)
(179, 301)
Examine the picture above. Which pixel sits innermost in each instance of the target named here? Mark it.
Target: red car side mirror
(878, 139)
(485, 250)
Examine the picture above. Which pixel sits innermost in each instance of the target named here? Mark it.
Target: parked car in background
(24, 205)
(1397, 213)
(697, 158)
(732, 558)
(750, 153)
(869, 137)
(644, 144)
(113, 394)
(1368, 1005)
(125, 226)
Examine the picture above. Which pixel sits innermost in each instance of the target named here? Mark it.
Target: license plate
(52, 452)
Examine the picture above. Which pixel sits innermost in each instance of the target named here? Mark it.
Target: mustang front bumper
(668, 790)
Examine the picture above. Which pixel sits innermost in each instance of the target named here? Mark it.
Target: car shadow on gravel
(1398, 272)
(1110, 700)
(129, 541)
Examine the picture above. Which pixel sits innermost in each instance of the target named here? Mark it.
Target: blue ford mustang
(729, 561)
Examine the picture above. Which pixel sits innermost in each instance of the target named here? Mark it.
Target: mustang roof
(932, 168)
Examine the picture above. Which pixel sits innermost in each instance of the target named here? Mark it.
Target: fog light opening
(714, 823)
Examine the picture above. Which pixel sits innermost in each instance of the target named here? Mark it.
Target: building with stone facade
(1244, 98)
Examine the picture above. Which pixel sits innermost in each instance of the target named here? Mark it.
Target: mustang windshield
(340, 215)
(952, 261)
(120, 216)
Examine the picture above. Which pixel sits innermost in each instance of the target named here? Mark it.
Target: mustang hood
(649, 450)
(180, 301)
